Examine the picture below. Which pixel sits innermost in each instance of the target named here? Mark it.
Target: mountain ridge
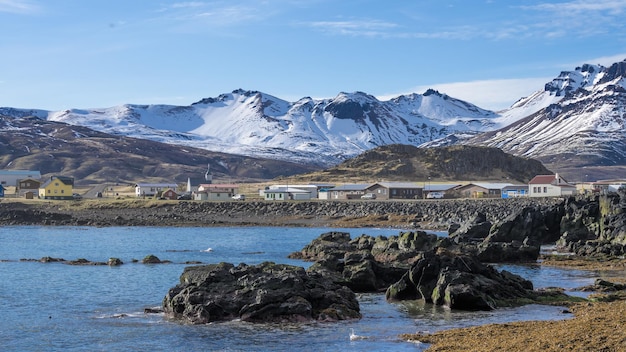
(576, 121)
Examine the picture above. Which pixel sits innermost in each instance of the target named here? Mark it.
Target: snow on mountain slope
(580, 114)
(553, 92)
(323, 131)
(447, 111)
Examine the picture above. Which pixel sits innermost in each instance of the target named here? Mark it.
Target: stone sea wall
(432, 214)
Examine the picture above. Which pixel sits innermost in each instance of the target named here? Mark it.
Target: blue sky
(60, 54)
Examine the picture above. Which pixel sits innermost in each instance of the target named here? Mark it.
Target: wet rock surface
(459, 282)
(264, 293)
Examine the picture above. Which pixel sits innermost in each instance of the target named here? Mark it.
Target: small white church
(193, 183)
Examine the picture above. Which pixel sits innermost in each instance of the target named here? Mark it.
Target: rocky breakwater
(430, 214)
(594, 226)
(267, 292)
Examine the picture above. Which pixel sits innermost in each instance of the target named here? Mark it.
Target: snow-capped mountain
(580, 116)
(252, 123)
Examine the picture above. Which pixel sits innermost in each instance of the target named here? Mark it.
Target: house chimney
(556, 176)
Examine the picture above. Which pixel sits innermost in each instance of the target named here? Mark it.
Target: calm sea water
(59, 307)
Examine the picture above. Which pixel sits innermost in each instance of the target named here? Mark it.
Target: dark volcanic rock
(366, 263)
(594, 226)
(459, 282)
(152, 259)
(266, 292)
(517, 238)
(475, 229)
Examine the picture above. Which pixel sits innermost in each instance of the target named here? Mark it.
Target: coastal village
(29, 184)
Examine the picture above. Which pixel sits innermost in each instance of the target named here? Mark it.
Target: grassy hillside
(408, 163)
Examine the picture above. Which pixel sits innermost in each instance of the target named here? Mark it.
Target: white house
(550, 186)
(151, 189)
(9, 178)
(287, 193)
(216, 191)
(312, 189)
(347, 191)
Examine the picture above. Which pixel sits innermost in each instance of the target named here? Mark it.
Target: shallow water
(55, 306)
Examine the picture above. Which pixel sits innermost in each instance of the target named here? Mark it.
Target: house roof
(542, 179)
(554, 180)
(440, 187)
(170, 185)
(286, 190)
(29, 179)
(397, 185)
(350, 187)
(218, 185)
(68, 181)
(516, 187)
(484, 185)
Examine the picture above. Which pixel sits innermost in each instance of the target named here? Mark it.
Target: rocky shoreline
(486, 230)
(425, 214)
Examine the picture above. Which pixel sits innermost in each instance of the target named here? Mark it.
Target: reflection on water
(55, 306)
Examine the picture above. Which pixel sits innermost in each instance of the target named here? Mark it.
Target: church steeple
(208, 177)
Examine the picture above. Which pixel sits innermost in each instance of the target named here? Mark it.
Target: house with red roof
(550, 186)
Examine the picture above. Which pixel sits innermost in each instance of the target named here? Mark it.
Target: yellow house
(57, 187)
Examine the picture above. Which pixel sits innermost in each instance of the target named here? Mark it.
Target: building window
(545, 190)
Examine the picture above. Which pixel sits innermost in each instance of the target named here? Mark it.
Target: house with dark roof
(481, 190)
(9, 178)
(550, 186)
(57, 187)
(27, 185)
(396, 190)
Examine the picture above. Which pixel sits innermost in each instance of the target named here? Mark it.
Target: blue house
(514, 191)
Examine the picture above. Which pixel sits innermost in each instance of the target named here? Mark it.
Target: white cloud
(607, 60)
(197, 14)
(488, 94)
(355, 27)
(187, 4)
(18, 6)
(578, 17)
(617, 6)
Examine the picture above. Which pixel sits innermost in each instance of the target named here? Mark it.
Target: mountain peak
(435, 92)
(615, 71)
